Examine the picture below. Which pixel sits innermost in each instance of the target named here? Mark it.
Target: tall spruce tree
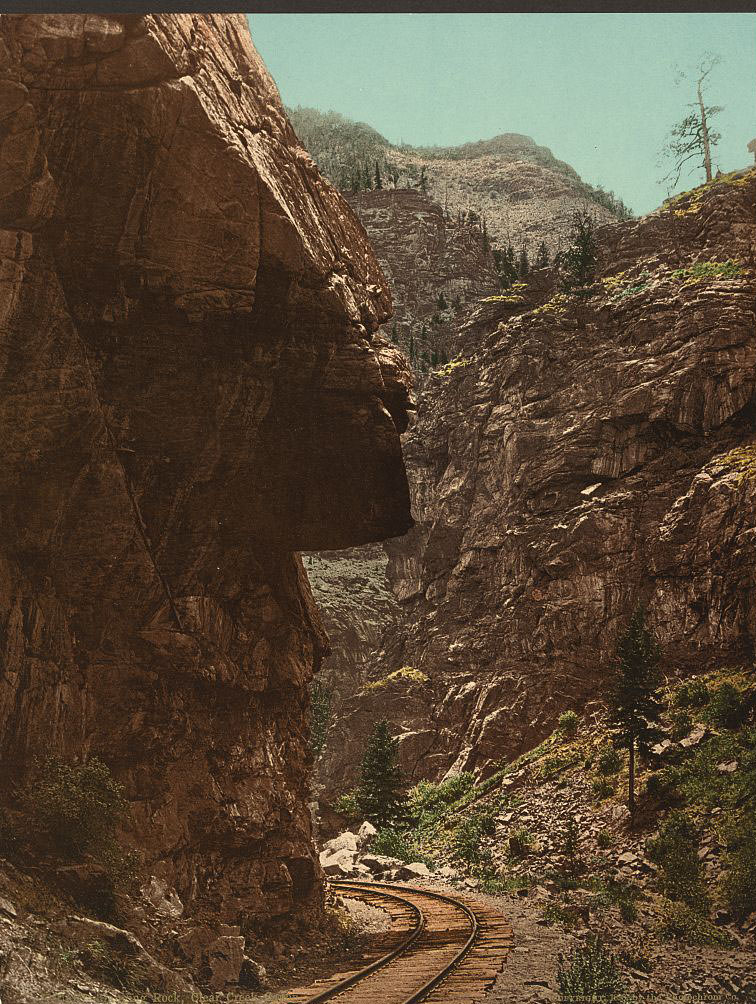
(578, 263)
(542, 258)
(378, 182)
(380, 792)
(524, 266)
(634, 708)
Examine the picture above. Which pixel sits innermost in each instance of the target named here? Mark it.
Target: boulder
(366, 833)
(347, 841)
(378, 863)
(415, 870)
(340, 863)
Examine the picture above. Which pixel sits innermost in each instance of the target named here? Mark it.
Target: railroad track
(443, 949)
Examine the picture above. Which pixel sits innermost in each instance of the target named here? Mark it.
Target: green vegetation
(681, 922)
(727, 706)
(404, 673)
(321, 713)
(467, 838)
(397, 844)
(577, 265)
(738, 885)
(609, 761)
(681, 723)
(75, 809)
(602, 788)
(456, 363)
(428, 801)
(634, 708)
(590, 974)
(379, 794)
(702, 271)
(691, 694)
(675, 851)
(568, 723)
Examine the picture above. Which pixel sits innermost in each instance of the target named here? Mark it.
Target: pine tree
(441, 302)
(634, 708)
(366, 178)
(524, 265)
(578, 263)
(486, 245)
(380, 789)
(423, 182)
(378, 183)
(542, 258)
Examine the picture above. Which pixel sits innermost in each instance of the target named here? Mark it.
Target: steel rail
(384, 960)
(422, 992)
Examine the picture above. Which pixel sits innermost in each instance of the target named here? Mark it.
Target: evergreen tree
(486, 245)
(578, 263)
(634, 708)
(423, 182)
(444, 356)
(411, 345)
(377, 176)
(366, 177)
(434, 358)
(379, 793)
(441, 302)
(524, 266)
(542, 258)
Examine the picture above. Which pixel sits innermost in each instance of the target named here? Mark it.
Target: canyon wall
(586, 455)
(190, 393)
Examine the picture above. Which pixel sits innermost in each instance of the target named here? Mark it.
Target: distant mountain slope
(524, 193)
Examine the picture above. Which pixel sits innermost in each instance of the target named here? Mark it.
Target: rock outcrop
(189, 395)
(591, 454)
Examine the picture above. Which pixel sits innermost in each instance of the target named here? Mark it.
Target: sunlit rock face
(586, 456)
(189, 394)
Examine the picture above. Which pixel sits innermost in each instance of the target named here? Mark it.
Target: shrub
(675, 851)
(663, 785)
(520, 841)
(75, 806)
(348, 804)
(609, 761)
(396, 844)
(727, 706)
(571, 849)
(683, 922)
(738, 884)
(602, 787)
(604, 839)
(568, 723)
(466, 842)
(682, 723)
(691, 694)
(428, 801)
(590, 974)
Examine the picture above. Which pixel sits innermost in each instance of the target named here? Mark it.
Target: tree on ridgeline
(692, 139)
(634, 708)
(579, 261)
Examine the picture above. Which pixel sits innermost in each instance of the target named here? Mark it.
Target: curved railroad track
(442, 948)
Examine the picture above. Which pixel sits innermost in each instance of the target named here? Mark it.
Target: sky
(597, 89)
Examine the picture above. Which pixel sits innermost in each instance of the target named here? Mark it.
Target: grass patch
(591, 973)
(404, 673)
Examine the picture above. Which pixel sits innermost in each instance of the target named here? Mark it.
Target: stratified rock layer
(592, 454)
(188, 396)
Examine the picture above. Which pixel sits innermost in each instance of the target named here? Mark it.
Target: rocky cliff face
(189, 394)
(525, 195)
(437, 267)
(591, 454)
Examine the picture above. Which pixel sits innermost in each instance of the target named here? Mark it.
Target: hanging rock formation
(190, 393)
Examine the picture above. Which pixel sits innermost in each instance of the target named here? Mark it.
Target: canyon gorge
(270, 433)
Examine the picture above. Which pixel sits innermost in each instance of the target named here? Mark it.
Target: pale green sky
(598, 89)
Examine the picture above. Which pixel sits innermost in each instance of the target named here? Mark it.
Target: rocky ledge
(190, 393)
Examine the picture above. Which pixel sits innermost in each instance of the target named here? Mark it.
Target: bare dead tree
(692, 138)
